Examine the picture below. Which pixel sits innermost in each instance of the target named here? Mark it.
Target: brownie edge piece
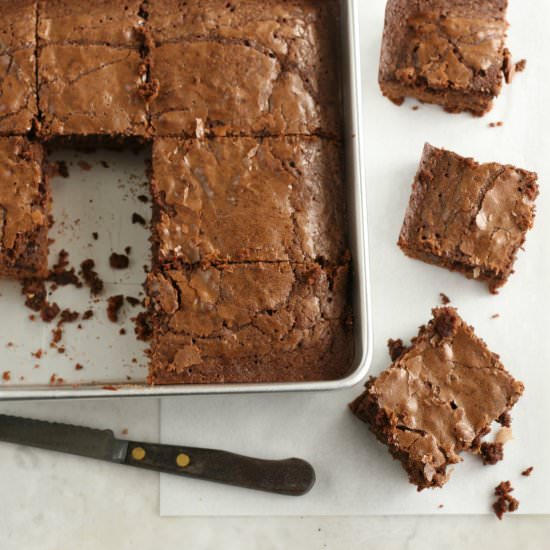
(448, 52)
(468, 217)
(437, 399)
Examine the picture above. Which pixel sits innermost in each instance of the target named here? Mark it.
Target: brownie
(88, 90)
(18, 107)
(101, 22)
(468, 217)
(448, 52)
(255, 322)
(245, 68)
(248, 199)
(437, 399)
(24, 210)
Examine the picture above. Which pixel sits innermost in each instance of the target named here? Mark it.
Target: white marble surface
(58, 502)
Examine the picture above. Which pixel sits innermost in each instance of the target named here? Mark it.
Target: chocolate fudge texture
(448, 52)
(248, 199)
(241, 102)
(437, 399)
(257, 322)
(235, 68)
(18, 108)
(468, 217)
(24, 209)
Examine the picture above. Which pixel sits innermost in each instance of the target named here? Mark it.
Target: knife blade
(291, 476)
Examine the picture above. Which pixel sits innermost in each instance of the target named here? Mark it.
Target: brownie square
(24, 210)
(437, 399)
(257, 322)
(245, 68)
(91, 90)
(448, 52)
(468, 217)
(18, 106)
(101, 22)
(248, 199)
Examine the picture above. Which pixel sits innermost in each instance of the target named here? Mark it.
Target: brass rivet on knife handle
(183, 460)
(138, 453)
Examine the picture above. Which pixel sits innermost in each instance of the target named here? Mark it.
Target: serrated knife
(292, 476)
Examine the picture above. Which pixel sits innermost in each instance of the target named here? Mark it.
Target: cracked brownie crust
(248, 199)
(468, 217)
(24, 210)
(18, 107)
(437, 399)
(451, 53)
(259, 322)
(229, 68)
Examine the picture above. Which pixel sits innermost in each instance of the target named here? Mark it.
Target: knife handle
(292, 476)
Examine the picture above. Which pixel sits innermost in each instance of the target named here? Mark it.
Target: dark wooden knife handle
(291, 476)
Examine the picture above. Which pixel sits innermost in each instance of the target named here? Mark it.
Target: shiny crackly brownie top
(445, 44)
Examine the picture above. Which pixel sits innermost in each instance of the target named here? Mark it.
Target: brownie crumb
(396, 349)
(6, 375)
(124, 431)
(128, 250)
(133, 301)
(495, 316)
(122, 331)
(68, 316)
(527, 472)
(119, 261)
(114, 303)
(143, 198)
(136, 218)
(505, 420)
(505, 501)
(91, 278)
(143, 328)
(445, 300)
(57, 334)
(86, 166)
(88, 314)
(49, 312)
(62, 169)
(521, 65)
(35, 293)
(104, 163)
(491, 453)
(37, 353)
(415, 107)
(445, 325)
(61, 350)
(95, 235)
(78, 366)
(496, 124)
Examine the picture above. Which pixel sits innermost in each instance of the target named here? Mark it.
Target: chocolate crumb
(6, 375)
(444, 298)
(37, 353)
(505, 420)
(491, 453)
(445, 324)
(104, 163)
(495, 316)
(57, 334)
(62, 169)
(35, 293)
(95, 235)
(143, 328)
(91, 278)
(527, 472)
(61, 350)
(114, 303)
(88, 314)
(396, 349)
(128, 250)
(133, 301)
(122, 331)
(78, 366)
(119, 261)
(505, 501)
(49, 312)
(143, 198)
(496, 124)
(68, 316)
(521, 65)
(136, 218)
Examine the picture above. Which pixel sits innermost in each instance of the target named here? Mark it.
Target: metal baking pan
(359, 247)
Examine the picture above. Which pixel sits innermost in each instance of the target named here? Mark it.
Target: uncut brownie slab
(468, 217)
(24, 210)
(91, 71)
(448, 52)
(438, 398)
(258, 322)
(18, 106)
(245, 67)
(248, 199)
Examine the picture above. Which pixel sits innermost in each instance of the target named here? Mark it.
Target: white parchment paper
(355, 473)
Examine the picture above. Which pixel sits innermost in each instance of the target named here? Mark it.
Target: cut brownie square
(448, 52)
(88, 90)
(18, 107)
(468, 217)
(438, 398)
(24, 210)
(248, 199)
(245, 68)
(258, 322)
(101, 22)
